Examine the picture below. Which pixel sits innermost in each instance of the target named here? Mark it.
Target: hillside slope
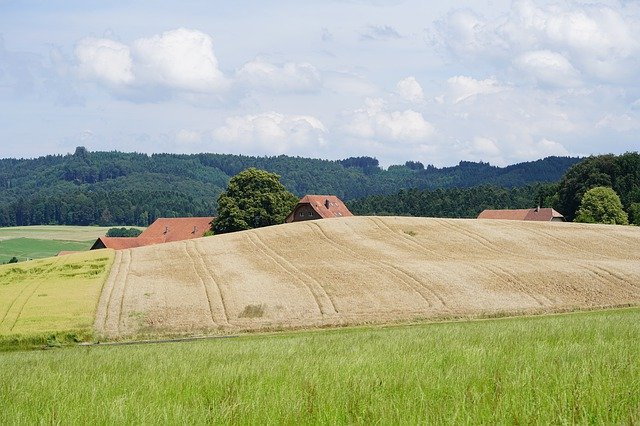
(367, 269)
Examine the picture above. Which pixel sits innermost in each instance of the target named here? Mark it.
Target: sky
(438, 82)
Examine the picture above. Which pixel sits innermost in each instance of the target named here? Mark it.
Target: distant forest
(115, 188)
(622, 173)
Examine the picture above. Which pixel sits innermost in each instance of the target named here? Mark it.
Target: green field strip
(52, 295)
(31, 248)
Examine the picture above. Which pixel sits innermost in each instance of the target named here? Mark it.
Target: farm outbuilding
(312, 207)
(163, 230)
(537, 214)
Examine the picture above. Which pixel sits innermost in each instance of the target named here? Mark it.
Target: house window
(310, 214)
(301, 214)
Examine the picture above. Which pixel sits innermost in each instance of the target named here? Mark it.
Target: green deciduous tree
(601, 205)
(254, 198)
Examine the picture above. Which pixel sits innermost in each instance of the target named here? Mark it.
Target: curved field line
(513, 283)
(192, 262)
(206, 265)
(618, 277)
(205, 277)
(127, 257)
(320, 232)
(105, 296)
(35, 288)
(401, 236)
(565, 243)
(606, 276)
(389, 267)
(536, 295)
(319, 288)
(294, 272)
(487, 244)
(24, 288)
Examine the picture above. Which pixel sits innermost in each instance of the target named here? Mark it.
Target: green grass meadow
(566, 369)
(51, 301)
(32, 248)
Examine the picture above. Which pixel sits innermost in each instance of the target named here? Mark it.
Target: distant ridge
(115, 188)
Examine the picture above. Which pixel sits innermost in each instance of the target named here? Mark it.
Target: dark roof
(539, 214)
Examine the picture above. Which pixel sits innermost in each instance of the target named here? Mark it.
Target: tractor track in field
(412, 282)
(217, 296)
(326, 306)
(196, 264)
(362, 270)
(407, 239)
(512, 282)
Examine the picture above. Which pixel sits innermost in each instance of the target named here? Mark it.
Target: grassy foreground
(578, 368)
(47, 300)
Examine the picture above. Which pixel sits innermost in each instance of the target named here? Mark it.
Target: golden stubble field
(367, 270)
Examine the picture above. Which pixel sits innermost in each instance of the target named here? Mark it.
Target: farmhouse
(311, 207)
(163, 230)
(537, 214)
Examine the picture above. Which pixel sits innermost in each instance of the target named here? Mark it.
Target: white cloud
(182, 59)
(409, 89)
(104, 60)
(374, 121)
(293, 77)
(548, 68)
(599, 41)
(461, 88)
(270, 132)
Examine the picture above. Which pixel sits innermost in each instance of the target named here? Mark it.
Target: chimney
(195, 228)
(166, 229)
(537, 209)
(326, 203)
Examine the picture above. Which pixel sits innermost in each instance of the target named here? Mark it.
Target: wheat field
(367, 270)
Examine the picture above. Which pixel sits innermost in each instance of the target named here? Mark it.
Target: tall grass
(579, 368)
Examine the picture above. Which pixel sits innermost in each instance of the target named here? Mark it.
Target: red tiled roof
(163, 230)
(177, 229)
(325, 205)
(544, 214)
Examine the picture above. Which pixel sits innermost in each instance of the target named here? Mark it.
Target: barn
(312, 207)
(538, 214)
(163, 230)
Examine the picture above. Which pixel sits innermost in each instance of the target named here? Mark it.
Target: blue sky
(498, 81)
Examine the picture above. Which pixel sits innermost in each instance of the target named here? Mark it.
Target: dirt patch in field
(365, 270)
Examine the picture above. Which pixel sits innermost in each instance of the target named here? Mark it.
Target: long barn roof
(163, 230)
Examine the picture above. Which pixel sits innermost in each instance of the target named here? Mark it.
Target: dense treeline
(448, 202)
(114, 188)
(621, 173)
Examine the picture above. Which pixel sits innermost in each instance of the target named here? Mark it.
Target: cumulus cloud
(179, 60)
(290, 77)
(374, 121)
(597, 40)
(182, 59)
(410, 90)
(548, 68)
(270, 132)
(461, 88)
(104, 60)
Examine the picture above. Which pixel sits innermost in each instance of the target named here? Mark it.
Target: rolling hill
(367, 270)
